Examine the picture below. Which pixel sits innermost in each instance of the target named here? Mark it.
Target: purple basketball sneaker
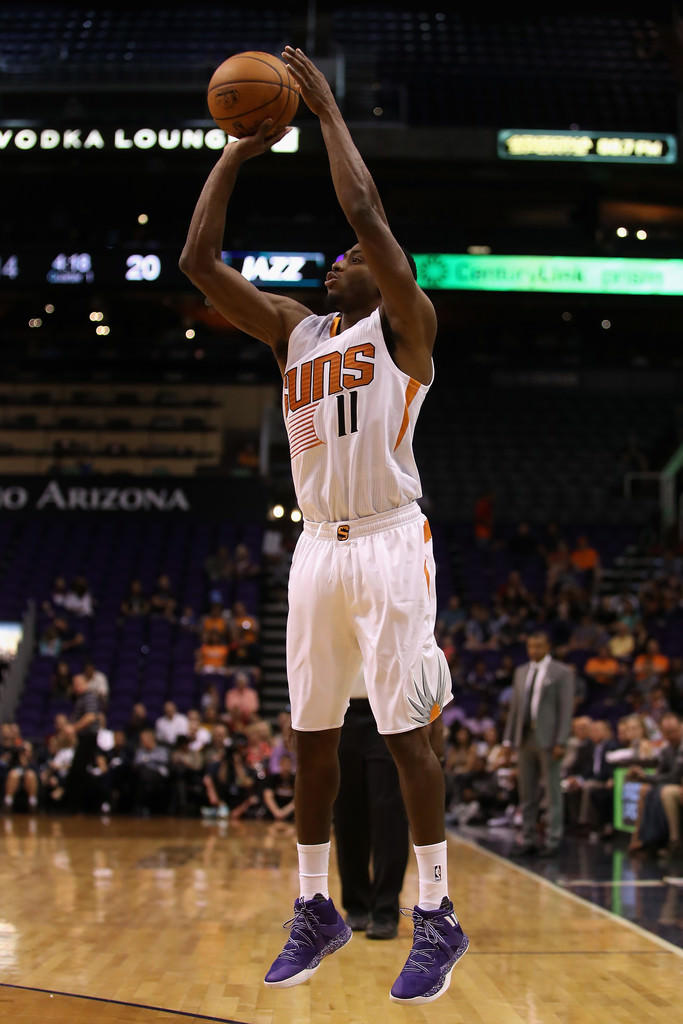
(315, 930)
(438, 943)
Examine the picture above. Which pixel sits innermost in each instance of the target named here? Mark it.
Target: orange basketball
(249, 87)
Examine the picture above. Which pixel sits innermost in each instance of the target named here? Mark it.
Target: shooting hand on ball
(315, 90)
(260, 142)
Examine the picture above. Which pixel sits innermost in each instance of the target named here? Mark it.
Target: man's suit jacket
(555, 706)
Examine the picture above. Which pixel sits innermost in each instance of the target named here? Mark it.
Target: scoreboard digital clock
(117, 267)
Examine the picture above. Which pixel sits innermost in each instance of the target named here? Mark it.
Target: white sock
(432, 873)
(313, 867)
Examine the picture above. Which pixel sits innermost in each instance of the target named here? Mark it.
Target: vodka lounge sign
(26, 138)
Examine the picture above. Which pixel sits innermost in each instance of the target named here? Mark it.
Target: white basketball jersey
(350, 414)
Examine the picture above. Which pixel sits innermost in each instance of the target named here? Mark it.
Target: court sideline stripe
(121, 1002)
(638, 929)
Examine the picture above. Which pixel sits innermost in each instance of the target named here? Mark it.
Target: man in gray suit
(538, 727)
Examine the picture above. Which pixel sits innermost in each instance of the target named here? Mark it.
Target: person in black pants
(370, 825)
(85, 717)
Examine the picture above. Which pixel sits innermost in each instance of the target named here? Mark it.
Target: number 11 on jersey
(353, 412)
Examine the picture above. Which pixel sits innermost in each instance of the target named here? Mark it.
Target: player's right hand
(261, 141)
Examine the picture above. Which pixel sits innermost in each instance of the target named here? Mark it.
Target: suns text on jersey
(329, 374)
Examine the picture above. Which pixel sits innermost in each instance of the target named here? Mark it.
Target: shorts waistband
(343, 531)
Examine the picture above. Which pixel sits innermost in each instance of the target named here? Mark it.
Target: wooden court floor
(165, 920)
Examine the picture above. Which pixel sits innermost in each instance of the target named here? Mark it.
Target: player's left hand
(315, 89)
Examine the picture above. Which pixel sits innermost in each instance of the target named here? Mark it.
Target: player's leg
(409, 684)
(322, 660)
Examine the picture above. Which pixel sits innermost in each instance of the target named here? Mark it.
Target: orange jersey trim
(412, 389)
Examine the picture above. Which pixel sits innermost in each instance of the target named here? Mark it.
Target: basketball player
(362, 588)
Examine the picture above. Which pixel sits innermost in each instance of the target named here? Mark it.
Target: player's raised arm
(265, 316)
(407, 308)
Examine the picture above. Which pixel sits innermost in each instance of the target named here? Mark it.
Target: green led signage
(578, 274)
(581, 147)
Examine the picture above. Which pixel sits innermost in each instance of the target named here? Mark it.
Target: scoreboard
(113, 267)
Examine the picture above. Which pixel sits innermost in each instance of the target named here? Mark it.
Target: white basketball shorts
(362, 598)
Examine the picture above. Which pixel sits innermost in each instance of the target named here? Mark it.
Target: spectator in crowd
(604, 673)
(586, 562)
(588, 635)
(218, 566)
(50, 643)
(277, 546)
(186, 766)
(604, 613)
(278, 792)
(150, 775)
(503, 674)
(481, 719)
(246, 632)
(170, 725)
(210, 702)
(671, 795)
(138, 720)
(8, 746)
(560, 571)
(189, 621)
(590, 772)
(218, 620)
(244, 566)
(452, 618)
(79, 600)
(283, 742)
(652, 827)
(622, 642)
(61, 681)
(480, 678)
(56, 603)
(55, 768)
(640, 745)
(512, 594)
(578, 745)
(230, 786)
(136, 603)
(117, 781)
(242, 699)
(258, 747)
(650, 666)
(96, 680)
(197, 733)
(71, 638)
(22, 778)
(211, 657)
(479, 634)
(462, 761)
(162, 600)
